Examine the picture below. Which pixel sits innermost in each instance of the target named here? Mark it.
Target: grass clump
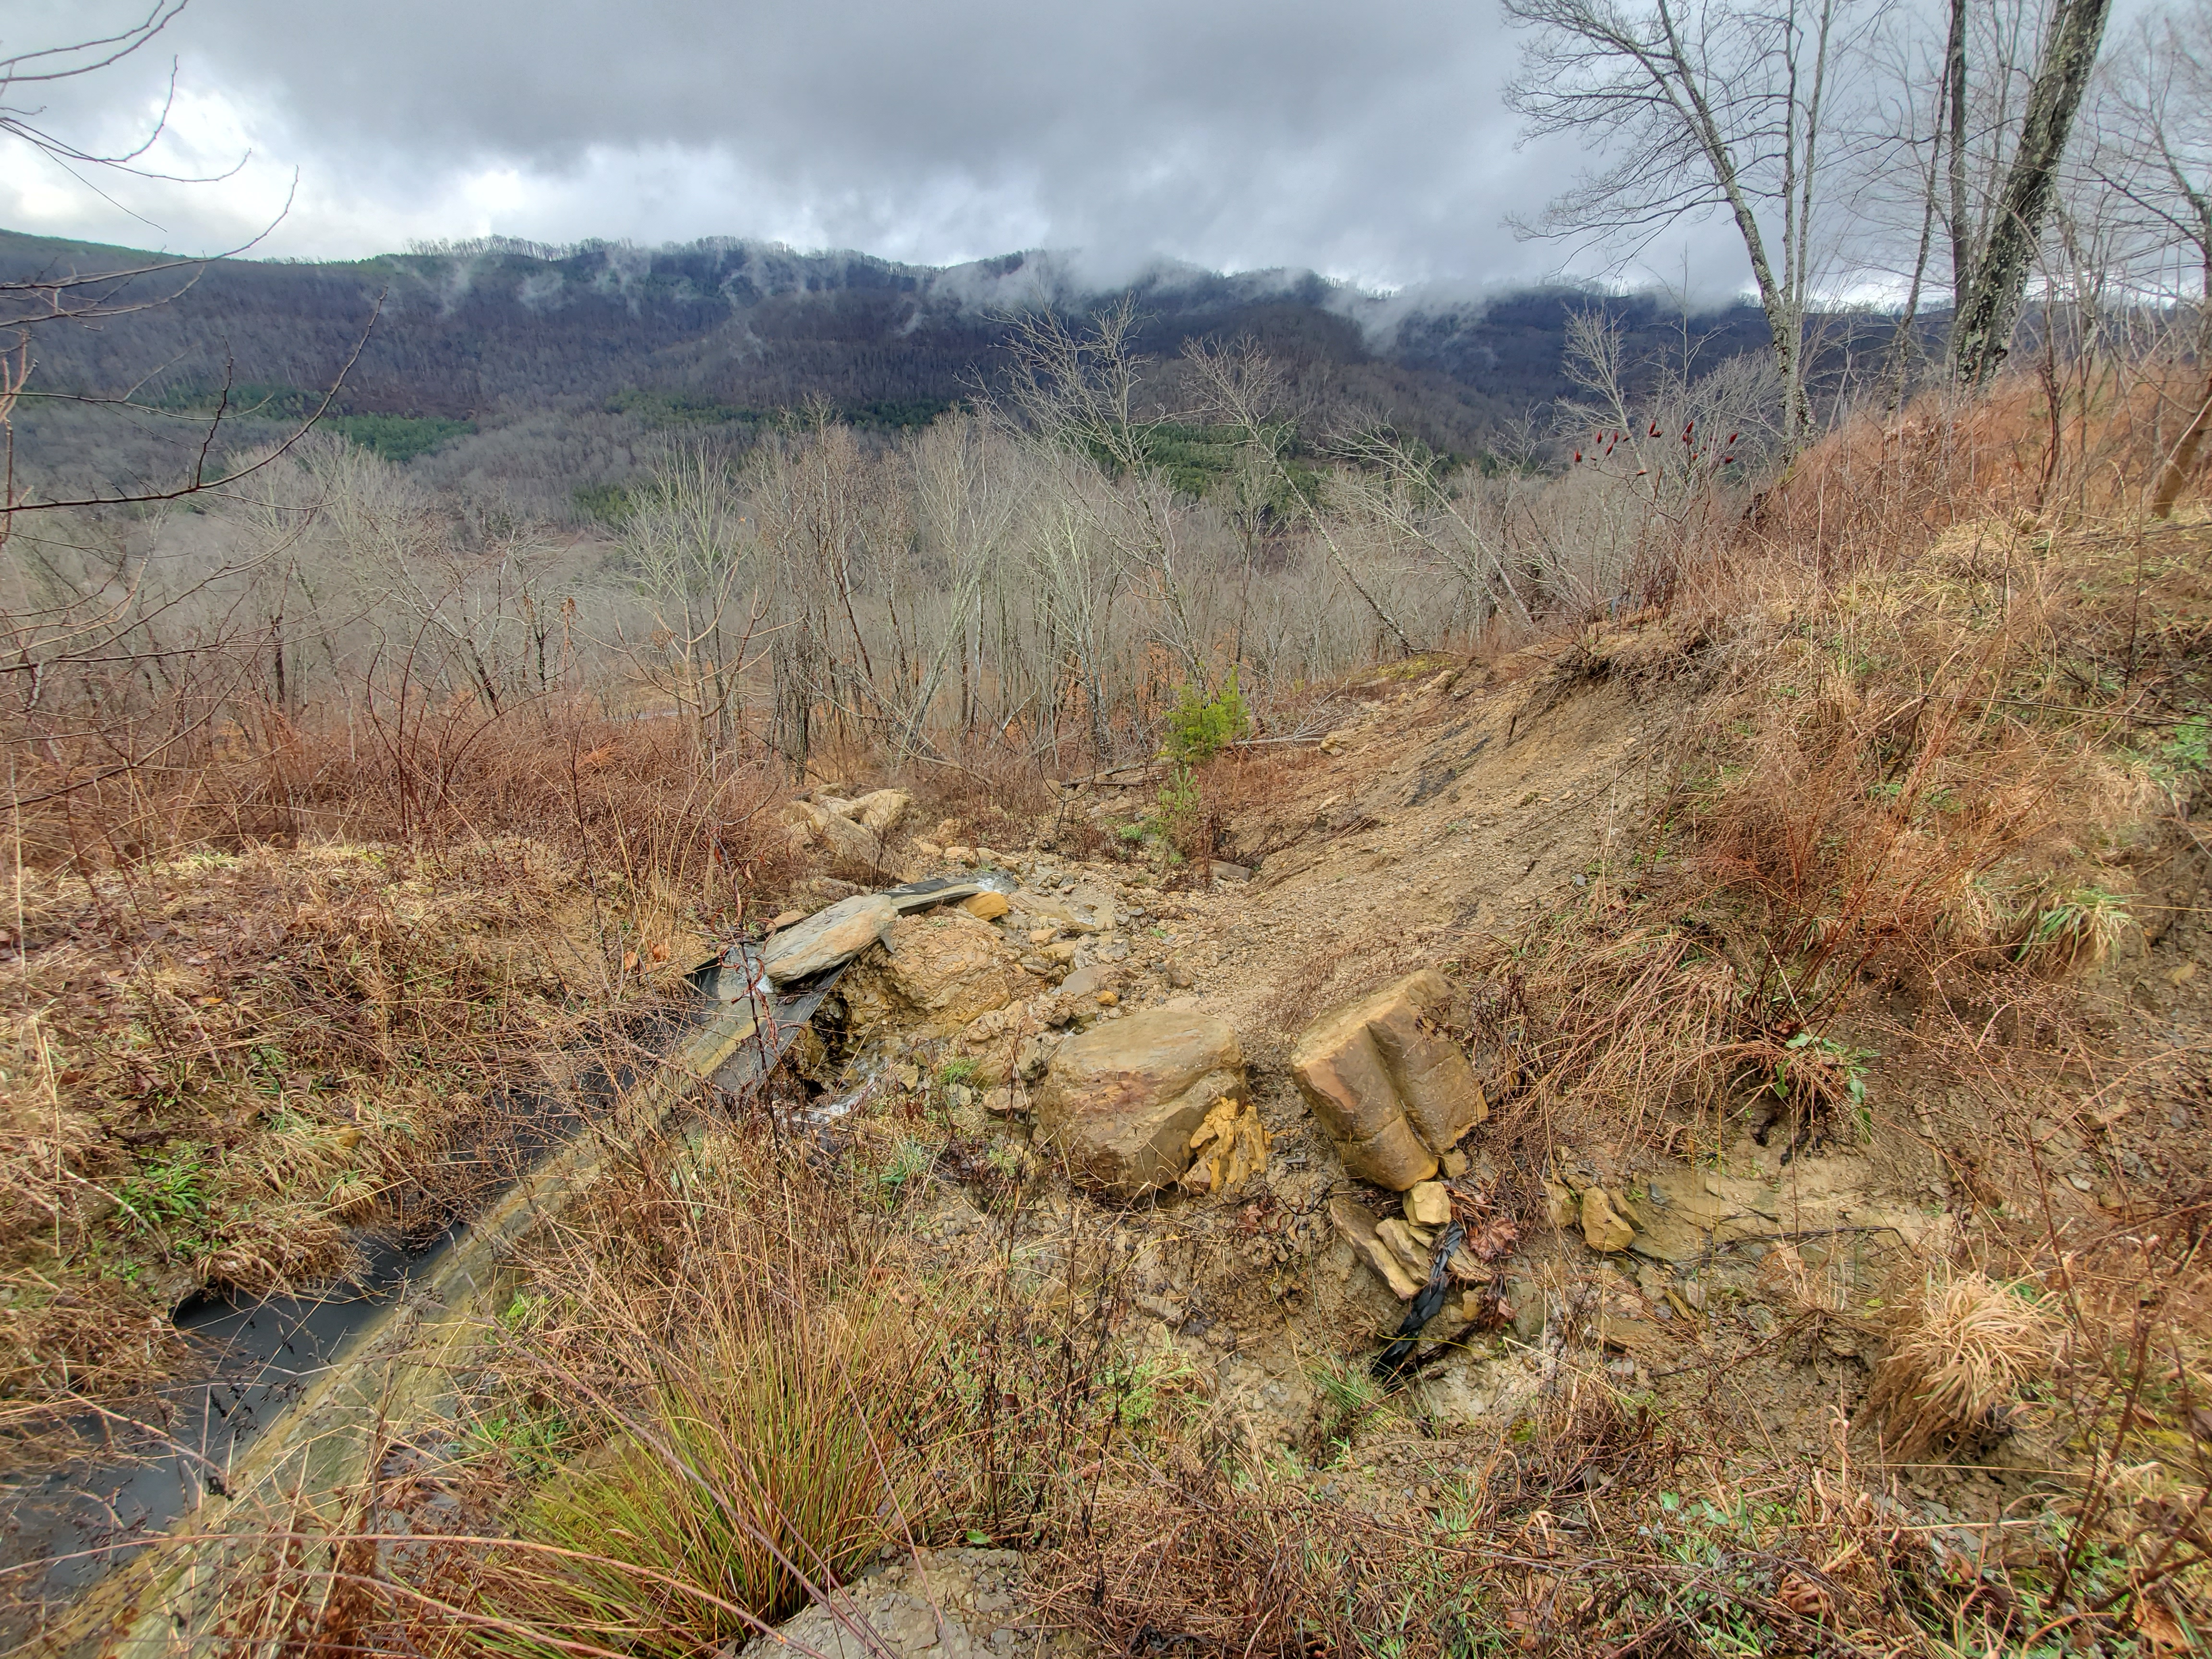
(1962, 1355)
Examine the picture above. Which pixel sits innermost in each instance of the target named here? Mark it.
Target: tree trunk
(1982, 329)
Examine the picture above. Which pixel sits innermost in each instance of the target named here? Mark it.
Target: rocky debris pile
(851, 831)
(1392, 1092)
(1122, 1102)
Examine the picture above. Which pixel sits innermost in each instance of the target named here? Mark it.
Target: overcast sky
(1364, 140)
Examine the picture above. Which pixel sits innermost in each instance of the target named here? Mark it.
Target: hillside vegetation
(1813, 838)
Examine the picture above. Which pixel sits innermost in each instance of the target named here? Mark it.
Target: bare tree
(1992, 261)
(1702, 107)
(2151, 150)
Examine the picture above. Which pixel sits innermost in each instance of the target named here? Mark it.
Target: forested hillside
(489, 339)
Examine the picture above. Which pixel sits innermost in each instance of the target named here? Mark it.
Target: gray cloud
(1367, 142)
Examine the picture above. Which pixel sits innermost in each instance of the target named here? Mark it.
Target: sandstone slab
(1120, 1103)
(828, 938)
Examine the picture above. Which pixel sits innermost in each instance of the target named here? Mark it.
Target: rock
(1063, 951)
(786, 919)
(1389, 1094)
(880, 810)
(1084, 984)
(1043, 935)
(1603, 1228)
(1033, 1056)
(1455, 1164)
(1228, 1149)
(828, 938)
(1563, 1207)
(1108, 998)
(1360, 1231)
(1411, 1247)
(927, 850)
(960, 855)
(1428, 1204)
(949, 966)
(1225, 871)
(844, 840)
(1120, 1103)
(986, 906)
(1180, 975)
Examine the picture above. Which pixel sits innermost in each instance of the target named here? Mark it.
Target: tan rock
(1044, 936)
(986, 907)
(1228, 1149)
(1360, 1229)
(1428, 1204)
(1120, 1103)
(840, 837)
(960, 855)
(1389, 1094)
(1455, 1165)
(1604, 1228)
(1410, 1247)
(827, 938)
(1108, 998)
(949, 966)
(786, 919)
(1562, 1207)
(880, 810)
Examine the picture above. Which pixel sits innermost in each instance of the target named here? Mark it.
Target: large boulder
(828, 938)
(1121, 1101)
(949, 966)
(1390, 1092)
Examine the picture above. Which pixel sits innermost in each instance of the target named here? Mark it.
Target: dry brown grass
(1961, 1354)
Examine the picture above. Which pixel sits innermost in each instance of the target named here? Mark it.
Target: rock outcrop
(1120, 1103)
(1391, 1092)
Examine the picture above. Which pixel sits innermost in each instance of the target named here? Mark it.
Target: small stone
(1428, 1204)
(786, 919)
(987, 907)
(1225, 871)
(1561, 1208)
(1063, 951)
(1043, 935)
(1455, 1164)
(1358, 1225)
(927, 850)
(1603, 1228)
(1180, 975)
(960, 855)
(1409, 1246)
(1108, 998)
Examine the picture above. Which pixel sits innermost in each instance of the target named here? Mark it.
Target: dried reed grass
(1961, 1355)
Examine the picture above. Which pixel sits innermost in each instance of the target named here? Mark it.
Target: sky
(1367, 141)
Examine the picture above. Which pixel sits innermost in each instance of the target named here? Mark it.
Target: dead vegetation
(1932, 789)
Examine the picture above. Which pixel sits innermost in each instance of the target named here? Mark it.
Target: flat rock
(828, 938)
(986, 906)
(879, 811)
(1121, 1101)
